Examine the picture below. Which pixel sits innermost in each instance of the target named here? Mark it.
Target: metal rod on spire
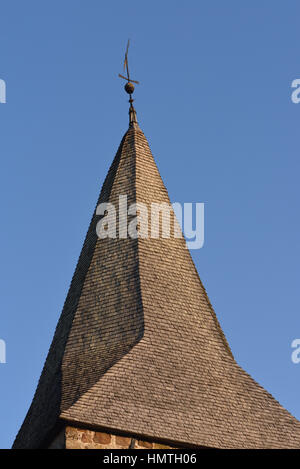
(129, 87)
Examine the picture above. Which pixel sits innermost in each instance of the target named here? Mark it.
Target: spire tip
(129, 88)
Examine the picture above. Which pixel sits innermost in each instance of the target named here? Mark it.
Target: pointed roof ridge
(138, 347)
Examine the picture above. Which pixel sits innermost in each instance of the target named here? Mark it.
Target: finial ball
(129, 88)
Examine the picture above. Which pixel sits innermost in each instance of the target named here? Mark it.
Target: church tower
(138, 358)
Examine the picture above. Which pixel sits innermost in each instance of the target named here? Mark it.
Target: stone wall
(77, 438)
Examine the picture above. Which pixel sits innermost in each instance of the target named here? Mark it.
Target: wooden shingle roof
(138, 348)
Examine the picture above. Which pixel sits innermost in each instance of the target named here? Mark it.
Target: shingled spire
(138, 350)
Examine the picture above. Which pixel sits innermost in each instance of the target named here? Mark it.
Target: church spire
(138, 350)
(129, 88)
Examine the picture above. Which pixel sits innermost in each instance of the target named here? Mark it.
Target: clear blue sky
(214, 103)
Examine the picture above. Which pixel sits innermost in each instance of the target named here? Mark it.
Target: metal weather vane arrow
(129, 88)
(126, 67)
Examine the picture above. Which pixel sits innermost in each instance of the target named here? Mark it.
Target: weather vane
(129, 87)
